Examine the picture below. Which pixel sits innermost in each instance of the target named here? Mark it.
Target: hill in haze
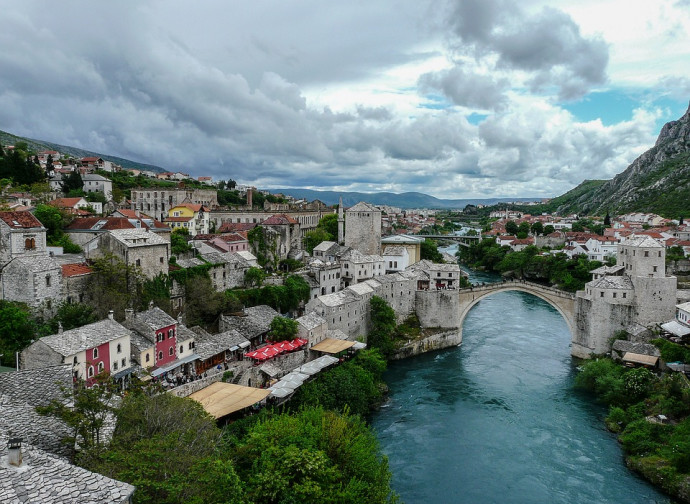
(40, 145)
(658, 181)
(402, 200)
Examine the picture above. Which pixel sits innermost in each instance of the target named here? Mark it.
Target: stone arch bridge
(562, 301)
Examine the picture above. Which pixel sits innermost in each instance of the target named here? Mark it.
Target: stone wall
(438, 308)
(655, 299)
(38, 355)
(439, 341)
(596, 324)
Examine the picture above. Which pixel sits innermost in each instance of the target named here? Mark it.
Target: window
(614, 294)
(160, 337)
(171, 333)
(30, 243)
(148, 357)
(115, 366)
(171, 351)
(138, 262)
(47, 280)
(160, 355)
(100, 367)
(655, 269)
(181, 348)
(625, 294)
(601, 294)
(161, 259)
(191, 345)
(124, 362)
(90, 374)
(119, 348)
(646, 253)
(95, 353)
(75, 360)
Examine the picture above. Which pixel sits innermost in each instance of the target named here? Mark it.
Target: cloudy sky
(457, 99)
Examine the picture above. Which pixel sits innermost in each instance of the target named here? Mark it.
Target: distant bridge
(463, 240)
(562, 301)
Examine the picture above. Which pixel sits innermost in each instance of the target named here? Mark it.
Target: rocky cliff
(658, 181)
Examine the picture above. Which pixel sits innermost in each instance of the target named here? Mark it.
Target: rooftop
(82, 338)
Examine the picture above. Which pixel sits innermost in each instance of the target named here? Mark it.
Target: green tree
(114, 285)
(315, 237)
(577, 226)
(254, 277)
(178, 241)
(537, 228)
(329, 223)
(382, 326)
(85, 410)
(523, 229)
(69, 316)
(17, 330)
(548, 229)
(429, 250)
(283, 328)
(72, 182)
(511, 228)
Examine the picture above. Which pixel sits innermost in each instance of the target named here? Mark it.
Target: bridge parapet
(495, 286)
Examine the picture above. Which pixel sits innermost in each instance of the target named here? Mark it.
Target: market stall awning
(332, 346)
(647, 360)
(220, 399)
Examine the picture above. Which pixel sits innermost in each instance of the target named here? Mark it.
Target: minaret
(341, 223)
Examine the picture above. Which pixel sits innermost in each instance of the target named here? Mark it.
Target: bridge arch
(563, 302)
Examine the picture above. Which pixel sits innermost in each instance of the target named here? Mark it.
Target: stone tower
(364, 228)
(640, 293)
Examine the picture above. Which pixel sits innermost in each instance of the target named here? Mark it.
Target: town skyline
(455, 99)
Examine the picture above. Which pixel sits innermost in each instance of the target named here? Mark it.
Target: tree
(382, 326)
(254, 277)
(511, 228)
(577, 226)
(315, 237)
(178, 241)
(283, 328)
(607, 220)
(548, 229)
(537, 228)
(114, 285)
(329, 223)
(85, 410)
(523, 229)
(17, 330)
(72, 182)
(69, 316)
(429, 250)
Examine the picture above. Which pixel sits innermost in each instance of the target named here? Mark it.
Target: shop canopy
(220, 399)
(647, 360)
(332, 346)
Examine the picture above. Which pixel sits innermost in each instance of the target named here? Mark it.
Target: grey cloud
(467, 89)
(548, 44)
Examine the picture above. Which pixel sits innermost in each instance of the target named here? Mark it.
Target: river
(497, 420)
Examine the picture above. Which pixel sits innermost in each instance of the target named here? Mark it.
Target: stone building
(21, 234)
(98, 183)
(412, 244)
(642, 295)
(34, 280)
(363, 228)
(135, 247)
(357, 267)
(156, 201)
(103, 346)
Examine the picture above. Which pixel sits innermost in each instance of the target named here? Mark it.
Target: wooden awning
(332, 346)
(220, 399)
(647, 360)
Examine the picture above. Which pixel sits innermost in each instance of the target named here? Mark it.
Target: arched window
(100, 367)
(119, 348)
(148, 357)
(171, 351)
(160, 355)
(30, 243)
(181, 349)
(171, 333)
(90, 371)
(95, 353)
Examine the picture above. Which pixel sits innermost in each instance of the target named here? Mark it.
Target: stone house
(396, 258)
(357, 267)
(161, 343)
(34, 280)
(327, 251)
(441, 276)
(75, 281)
(134, 247)
(363, 230)
(216, 349)
(98, 183)
(312, 328)
(103, 346)
(253, 323)
(288, 232)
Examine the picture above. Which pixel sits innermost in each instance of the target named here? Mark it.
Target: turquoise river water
(497, 420)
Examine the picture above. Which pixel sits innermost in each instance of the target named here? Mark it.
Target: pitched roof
(137, 237)
(236, 226)
(612, 282)
(642, 241)
(212, 344)
(70, 270)
(37, 387)
(279, 220)
(82, 338)
(363, 206)
(256, 321)
(101, 223)
(20, 220)
(152, 319)
(65, 202)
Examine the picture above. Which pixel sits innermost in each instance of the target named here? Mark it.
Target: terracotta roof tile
(17, 220)
(70, 270)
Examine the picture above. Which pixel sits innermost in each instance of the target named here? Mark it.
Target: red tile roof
(17, 220)
(111, 223)
(231, 227)
(279, 220)
(70, 270)
(65, 202)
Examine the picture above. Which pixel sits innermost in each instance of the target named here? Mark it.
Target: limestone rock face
(657, 180)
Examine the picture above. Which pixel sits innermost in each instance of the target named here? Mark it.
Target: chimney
(179, 318)
(59, 327)
(111, 315)
(151, 305)
(14, 451)
(129, 315)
